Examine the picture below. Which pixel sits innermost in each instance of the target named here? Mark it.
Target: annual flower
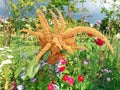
(6, 47)
(56, 87)
(65, 77)
(6, 62)
(99, 41)
(23, 68)
(85, 62)
(10, 56)
(20, 87)
(50, 86)
(63, 61)
(1, 49)
(33, 80)
(62, 68)
(106, 70)
(70, 80)
(9, 50)
(118, 36)
(108, 79)
(80, 78)
(22, 75)
(107, 28)
(24, 55)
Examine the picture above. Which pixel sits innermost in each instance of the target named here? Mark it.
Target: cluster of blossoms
(53, 86)
(60, 66)
(4, 54)
(98, 41)
(107, 71)
(70, 80)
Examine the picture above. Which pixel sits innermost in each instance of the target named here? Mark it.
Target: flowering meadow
(52, 51)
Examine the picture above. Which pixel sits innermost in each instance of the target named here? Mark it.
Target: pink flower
(64, 61)
(85, 62)
(50, 86)
(70, 81)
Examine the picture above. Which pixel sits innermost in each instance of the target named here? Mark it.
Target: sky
(93, 9)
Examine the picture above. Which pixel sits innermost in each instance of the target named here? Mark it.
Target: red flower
(64, 61)
(50, 86)
(62, 68)
(90, 35)
(65, 78)
(70, 81)
(99, 42)
(80, 78)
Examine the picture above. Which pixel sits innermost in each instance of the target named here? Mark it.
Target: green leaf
(46, 55)
(45, 67)
(93, 1)
(65, 52)
(66, 72)
(18, 71)
(32, 69)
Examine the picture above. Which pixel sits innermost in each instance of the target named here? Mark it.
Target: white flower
(118, 35)
(10, 56)
(1, 66)
(1, 49)
(9, 50)
(0, 70)
(6, 47)
(27, 25)
(20, 87)
(6, 62)
(56, 87)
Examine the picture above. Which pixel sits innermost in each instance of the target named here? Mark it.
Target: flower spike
(55, 22)
(62, 22)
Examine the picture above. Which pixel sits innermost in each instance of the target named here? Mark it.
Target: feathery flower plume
(60, 39)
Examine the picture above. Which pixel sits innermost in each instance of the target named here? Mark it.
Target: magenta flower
(70, 81)
(50, 86)
(63, 61)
